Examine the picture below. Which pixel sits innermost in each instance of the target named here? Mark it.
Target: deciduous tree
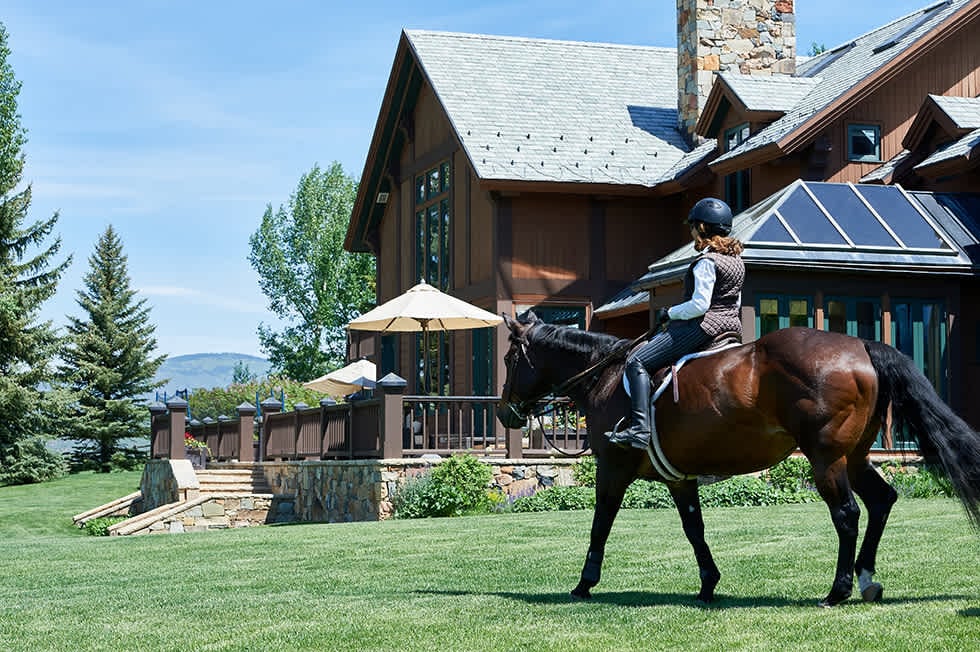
(311, 282)
(29, 274)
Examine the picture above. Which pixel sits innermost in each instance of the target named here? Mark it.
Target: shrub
(456, 486)
(925, 481)
(30, 461)
(792, 474)
(740, 491)
(643, 494)
(555, 499)
(584, 472)
(99, 527)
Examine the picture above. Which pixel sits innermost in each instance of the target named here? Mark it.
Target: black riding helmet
(714, 214)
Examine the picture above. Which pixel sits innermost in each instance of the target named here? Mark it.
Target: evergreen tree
(108, 364)
(29, 276)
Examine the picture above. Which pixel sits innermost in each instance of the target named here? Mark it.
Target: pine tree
(29, 276)
(108, 365)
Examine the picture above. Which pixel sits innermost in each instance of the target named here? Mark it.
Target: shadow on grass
(648, 599)
(633, 599)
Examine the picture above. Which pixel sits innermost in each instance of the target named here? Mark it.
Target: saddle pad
(680, 363)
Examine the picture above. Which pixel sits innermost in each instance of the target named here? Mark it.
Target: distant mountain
(206, 370)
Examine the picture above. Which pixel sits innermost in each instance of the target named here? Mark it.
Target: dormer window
(737, 193)
(864, 143)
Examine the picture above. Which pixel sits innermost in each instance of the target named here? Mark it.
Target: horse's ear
(531, 317)
(510, 323)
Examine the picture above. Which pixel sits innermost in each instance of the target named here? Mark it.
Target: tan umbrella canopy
(346, 380)
(424, 308)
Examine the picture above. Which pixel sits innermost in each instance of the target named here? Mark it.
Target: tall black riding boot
(637, 434)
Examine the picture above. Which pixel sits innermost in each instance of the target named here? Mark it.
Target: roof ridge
(880, 28)
(535, 39)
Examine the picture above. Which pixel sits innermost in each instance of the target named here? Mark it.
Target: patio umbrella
(422, 309)
(346, 380)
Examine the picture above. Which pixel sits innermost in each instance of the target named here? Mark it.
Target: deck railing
(392, 425)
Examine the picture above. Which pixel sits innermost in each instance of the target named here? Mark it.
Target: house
(522, 173)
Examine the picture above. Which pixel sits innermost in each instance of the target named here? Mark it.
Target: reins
(562, 389)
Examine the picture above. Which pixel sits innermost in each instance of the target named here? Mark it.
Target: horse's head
(524, 384)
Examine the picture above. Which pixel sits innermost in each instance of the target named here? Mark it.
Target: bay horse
(742, 410)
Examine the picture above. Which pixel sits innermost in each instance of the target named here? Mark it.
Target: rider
(712, 293)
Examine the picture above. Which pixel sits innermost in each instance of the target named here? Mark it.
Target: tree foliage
(108, 363)
(311, 282)
(29, 276)
(222, 401)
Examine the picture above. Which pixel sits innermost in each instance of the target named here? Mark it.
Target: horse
(742, 410)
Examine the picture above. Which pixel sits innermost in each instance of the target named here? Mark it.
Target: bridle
(533, 407)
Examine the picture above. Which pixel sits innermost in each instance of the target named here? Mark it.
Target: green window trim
(737, 188)
(864, 143)
(775, 311)
(854, 316)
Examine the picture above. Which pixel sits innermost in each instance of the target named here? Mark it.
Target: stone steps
(233, 481)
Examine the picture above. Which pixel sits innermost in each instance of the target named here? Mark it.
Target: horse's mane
(589, 345)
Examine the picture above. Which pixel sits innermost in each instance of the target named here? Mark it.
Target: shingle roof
(545, 110)
(772, 93)
(964, 147)
(841, 68)
(884, 172)
(963, 111)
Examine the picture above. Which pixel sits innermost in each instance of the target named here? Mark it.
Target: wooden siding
(952, 69)
(482, 244)
(639, 232)
(550, 238)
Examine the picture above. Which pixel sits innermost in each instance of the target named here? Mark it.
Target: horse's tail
(943, 437)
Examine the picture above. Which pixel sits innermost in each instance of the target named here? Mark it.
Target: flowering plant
(190, 442)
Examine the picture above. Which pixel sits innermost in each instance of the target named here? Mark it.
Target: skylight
(849, 217)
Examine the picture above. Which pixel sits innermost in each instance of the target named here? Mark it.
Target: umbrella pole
(426, 385)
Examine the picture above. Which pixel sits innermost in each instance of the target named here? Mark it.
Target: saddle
(661, 377)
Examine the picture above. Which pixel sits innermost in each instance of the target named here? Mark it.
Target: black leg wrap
(593, 567)
(591, 573)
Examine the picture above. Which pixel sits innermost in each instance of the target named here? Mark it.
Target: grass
(478, 583)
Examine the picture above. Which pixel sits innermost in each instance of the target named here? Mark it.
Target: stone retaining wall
(321, 491)
(362, 490)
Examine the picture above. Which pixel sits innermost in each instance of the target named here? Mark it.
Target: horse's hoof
(705, 598)
(872, 592)
(832, 601)
(580, 594)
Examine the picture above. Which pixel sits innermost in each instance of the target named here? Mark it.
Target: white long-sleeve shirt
(704, 287)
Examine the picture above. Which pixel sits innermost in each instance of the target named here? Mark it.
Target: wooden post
(157, 409)
(297, 408)
(246, 426)
(178, 424)
(391, 423)
(324, 404)
(269, 406)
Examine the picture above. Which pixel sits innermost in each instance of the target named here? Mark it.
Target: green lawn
(477, 583)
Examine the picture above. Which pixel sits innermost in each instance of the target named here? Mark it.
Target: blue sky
(178, 122)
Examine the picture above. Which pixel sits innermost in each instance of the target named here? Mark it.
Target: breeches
(666, 347)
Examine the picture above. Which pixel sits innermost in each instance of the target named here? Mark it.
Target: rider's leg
(638, 433)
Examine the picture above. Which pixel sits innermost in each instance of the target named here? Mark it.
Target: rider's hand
(661, 317)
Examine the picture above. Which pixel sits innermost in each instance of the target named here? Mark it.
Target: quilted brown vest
(723, 313)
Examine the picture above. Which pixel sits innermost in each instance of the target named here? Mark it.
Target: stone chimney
(754, 37)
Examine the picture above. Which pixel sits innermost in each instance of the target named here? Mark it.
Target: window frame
(783, 315)
(859, 128)
(738, 190)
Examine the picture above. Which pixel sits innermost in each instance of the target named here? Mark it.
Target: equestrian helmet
(714, 214)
